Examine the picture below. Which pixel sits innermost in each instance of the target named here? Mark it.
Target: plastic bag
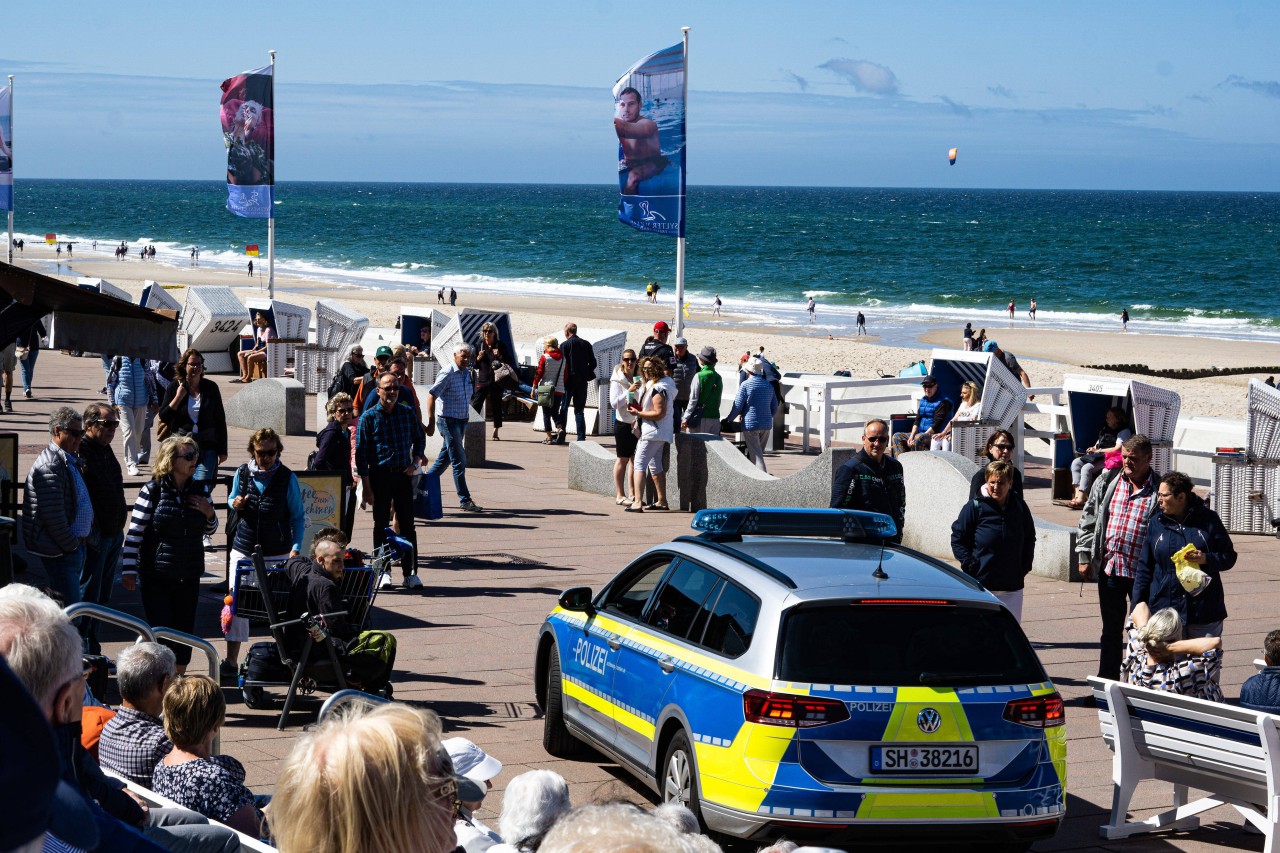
(1192, 578)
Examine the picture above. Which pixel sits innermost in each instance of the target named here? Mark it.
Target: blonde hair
(371, 778)
(551, 341)
(974, 391)
(193, 707)
(1164, 627)
(169, 449)
(331, 407)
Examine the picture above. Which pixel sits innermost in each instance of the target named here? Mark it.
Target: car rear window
(944, 646)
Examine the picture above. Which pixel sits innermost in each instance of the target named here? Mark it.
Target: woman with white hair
(1158, 658)
(531, 805)
(757, 403)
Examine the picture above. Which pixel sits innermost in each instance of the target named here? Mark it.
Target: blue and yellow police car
(793, 672)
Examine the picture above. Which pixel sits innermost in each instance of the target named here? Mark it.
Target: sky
(1088, 95)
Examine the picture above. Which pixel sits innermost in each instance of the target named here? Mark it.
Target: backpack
(336, 386)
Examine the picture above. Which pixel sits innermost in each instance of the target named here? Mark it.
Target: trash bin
(7, 526)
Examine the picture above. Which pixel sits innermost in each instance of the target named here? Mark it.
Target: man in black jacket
(872, 480)
(366, 656)
(579, 371)
(105, 482)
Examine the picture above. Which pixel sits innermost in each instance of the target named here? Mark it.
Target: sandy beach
(1046, 354)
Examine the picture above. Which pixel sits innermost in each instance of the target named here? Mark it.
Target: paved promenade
(466, 639)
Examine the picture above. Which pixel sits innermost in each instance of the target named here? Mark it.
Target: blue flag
(649, 121)
(6, 148)
(248, 129)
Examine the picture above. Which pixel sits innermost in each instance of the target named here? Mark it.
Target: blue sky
(1174, 95)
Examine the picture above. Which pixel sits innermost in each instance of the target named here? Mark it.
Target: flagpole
(271, 220)
(683, 176)
(10, 243)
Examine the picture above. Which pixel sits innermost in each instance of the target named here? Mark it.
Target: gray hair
(1164, 627)
(94, 412)
(678, 816)
(617, 826)
(141, 668)
(464, 347)
(531, 805)
(40, 644)
(331, 407)
(62, 418)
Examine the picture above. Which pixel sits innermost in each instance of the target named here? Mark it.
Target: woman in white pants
(131, 387)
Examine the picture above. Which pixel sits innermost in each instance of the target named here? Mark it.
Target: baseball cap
(708, 355)
(471, 761)
(927, 380)
(990, 346)
(383, 352)
(661, 326)
(680, 342)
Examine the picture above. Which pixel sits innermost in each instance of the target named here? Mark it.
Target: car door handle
(667, 663)
(614, 643)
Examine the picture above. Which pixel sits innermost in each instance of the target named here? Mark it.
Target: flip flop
(622, 501)
(634, 509)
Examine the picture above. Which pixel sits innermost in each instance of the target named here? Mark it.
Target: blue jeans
(28, 366)
(206, 468)
(452, 432)
(64, 574)
(101, 559)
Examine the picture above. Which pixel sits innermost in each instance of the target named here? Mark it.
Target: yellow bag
(1192, 578)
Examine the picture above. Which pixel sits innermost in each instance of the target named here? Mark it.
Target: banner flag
(251, 251)
(649, 120)
(6, 148)
(248, 129)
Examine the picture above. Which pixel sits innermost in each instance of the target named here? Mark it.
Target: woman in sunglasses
(192, 404)
(164, 547)
(624, 386)
(268, 514)
(999, 449)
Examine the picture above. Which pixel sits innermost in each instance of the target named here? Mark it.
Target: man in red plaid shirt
(1112, 528)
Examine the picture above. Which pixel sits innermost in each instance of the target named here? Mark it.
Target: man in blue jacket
(932, 413)
(1184, 520)
(872, 480)
(1261, 692)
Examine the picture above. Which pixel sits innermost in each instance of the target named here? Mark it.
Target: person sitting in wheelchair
(367, 657)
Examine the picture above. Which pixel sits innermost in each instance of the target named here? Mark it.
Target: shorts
(9, 358)
(624, 440)
(648, 456)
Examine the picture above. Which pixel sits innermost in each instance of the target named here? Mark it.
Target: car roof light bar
(729, 523)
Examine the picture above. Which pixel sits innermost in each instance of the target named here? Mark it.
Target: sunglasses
(877, 439)
(198, 365)
(1003, 446)
(107, 424)
(624, 358)
(189, 456)
(266, 454)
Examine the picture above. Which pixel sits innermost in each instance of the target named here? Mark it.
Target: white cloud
(864, 76)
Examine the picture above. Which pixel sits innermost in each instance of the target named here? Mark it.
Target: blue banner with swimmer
(6, 148)
(248, 129)
(649, 120)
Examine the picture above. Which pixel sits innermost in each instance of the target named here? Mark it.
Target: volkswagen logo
(929, 721)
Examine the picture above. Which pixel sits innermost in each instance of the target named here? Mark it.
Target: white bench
(155, 801)
(1230, 752)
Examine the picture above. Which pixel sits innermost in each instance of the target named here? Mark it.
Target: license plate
(919, 758)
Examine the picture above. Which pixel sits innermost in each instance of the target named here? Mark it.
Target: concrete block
(276, 403)
(473, 440)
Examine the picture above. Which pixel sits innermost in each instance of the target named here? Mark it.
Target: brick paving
(466, 639)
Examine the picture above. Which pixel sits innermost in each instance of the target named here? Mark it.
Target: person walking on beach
(648, 292)
(1031, 312)
(453, 296)
(440, 297)
(1124, 320)
(862, 324)
(967, 337)
(251, 269)
(812, 308)
(1012, 308)
(715, 307)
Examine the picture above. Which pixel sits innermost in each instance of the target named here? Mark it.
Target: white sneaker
(386, 582)
(412, 582)
(133, 470)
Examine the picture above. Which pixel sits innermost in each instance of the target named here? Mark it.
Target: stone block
(276, 403)
(474, 438)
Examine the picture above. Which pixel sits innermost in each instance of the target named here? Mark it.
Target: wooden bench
(1228, 751)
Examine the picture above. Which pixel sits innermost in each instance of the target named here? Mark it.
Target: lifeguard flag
(649, 121)
(50, 239)
(248, 130)
(251, 251)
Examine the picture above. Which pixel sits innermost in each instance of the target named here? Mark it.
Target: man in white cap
(682, 371)
(474, 769)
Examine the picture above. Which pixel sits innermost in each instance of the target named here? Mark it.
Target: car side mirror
(578, 599)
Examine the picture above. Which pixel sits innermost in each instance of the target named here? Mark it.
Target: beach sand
(1046, 354)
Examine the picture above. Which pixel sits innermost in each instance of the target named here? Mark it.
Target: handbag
(504, 376)
(546, 391)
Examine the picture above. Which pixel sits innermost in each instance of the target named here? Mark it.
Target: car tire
(556, 739)
(255, 698)
(678, 781)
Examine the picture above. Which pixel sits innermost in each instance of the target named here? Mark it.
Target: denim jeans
(64, 574)
(101, 559)
(207, 468)
(28, 366)
(452, 431)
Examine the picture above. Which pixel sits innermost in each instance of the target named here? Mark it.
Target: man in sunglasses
(57, 514)
(872, 480)
(105, 482)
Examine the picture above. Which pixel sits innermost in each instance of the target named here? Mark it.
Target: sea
(1202, 263)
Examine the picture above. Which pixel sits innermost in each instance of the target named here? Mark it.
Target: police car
(791, 672)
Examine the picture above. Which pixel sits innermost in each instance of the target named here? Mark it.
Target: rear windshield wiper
(951, 678)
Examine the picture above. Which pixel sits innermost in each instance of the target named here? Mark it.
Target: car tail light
(783, 709)
(1038, 712)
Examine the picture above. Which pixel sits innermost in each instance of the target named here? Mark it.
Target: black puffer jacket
(995, 544)
(166, 536)
(50, 506)
(105, 482)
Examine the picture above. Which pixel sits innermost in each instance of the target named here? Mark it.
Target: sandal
(548, 440)
(658, 507)
(622, 501)
(634, 509)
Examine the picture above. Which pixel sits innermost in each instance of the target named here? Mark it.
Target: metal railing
(813, 393)
(345, 697)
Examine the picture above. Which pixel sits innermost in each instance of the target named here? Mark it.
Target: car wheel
(679, 783)
(255, 698)
(555, 736)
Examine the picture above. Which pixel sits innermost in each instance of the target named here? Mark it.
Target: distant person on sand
(862, 324)
(648, 292)
(453, 296)
(967, 336)
(1031, 312)
(251, 269)
(641, 152)
(812, 309)
(1124, 320)
(715, 306)
(1013, 306)
(980, 339)
(440, 297)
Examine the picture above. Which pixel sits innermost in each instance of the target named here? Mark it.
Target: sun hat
(384, 351)
(708, 355)
(753, 366)
(471, 761)
(990, 346)
(661, 326)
